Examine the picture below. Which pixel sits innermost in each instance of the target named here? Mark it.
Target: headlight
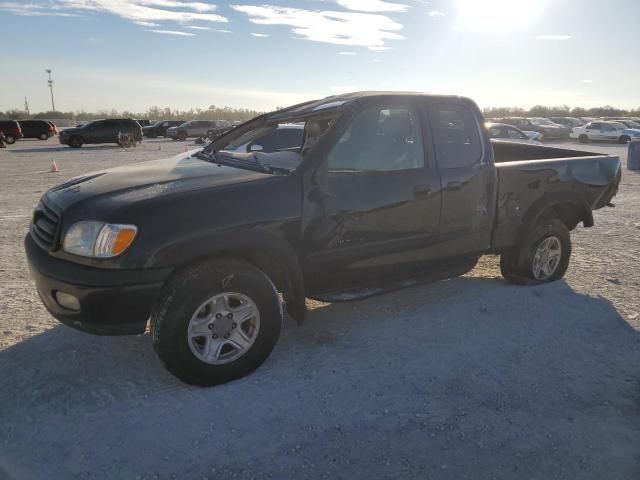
(98, 239)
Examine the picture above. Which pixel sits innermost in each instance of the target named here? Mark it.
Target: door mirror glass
(255, 148)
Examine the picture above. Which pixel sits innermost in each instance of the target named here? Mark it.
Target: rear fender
(568, 207)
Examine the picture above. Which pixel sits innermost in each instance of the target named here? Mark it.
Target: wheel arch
(570, 208)
(271, 254)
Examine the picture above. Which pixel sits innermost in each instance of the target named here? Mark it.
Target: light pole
(50, 83)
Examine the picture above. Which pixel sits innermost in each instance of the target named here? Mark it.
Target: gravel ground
(465, 378)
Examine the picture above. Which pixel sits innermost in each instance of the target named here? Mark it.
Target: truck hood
(147, 180)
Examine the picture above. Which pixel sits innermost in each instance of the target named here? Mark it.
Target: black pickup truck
(384, 190)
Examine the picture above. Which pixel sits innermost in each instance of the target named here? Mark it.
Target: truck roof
(343, 99)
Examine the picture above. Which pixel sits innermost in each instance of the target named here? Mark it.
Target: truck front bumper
(109, 301)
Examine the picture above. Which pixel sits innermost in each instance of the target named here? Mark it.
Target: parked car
(568, 122)
(159, 129)
(627, 123)
(376, 198)
(546, 127)
(39, 129)
(100, 131)
(194, 128)
(11, 130)
(510, 133)
(605, 131)
(143, 122)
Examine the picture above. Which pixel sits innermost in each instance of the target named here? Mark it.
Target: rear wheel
(10, 139)
(182, 136)
(216, 322)
(542, 257)
(76, 142)
(624, 139)
(583, 138)
(43, 136)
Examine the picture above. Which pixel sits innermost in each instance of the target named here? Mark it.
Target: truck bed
(530, 176)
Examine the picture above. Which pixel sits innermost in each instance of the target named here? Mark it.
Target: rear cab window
(456, 134)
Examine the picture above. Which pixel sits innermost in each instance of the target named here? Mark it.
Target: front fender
(274, 255)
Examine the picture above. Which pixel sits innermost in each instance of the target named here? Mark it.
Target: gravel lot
(466, 378)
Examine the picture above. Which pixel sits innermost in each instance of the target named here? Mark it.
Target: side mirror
(255, 148)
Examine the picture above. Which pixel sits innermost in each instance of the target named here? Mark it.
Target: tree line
(560, 111)
(153, 113)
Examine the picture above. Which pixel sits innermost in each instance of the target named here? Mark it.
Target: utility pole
(26, 107)
(50, 83)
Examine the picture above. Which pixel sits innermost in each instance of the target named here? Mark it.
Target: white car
(605, 131)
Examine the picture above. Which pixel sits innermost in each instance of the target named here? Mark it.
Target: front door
(383, 206)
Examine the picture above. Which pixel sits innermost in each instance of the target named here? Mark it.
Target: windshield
(273, 146)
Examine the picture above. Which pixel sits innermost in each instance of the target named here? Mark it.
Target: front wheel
(216, 322)
(9, 139)
(182, 136)
(542, 256)
(583, 138)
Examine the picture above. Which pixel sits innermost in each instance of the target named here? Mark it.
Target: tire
(76, 142)
(583, 138)
(624, 139)
(520, 266)
(182, 136)
(187, 293)
(43, 136)
(9, 139)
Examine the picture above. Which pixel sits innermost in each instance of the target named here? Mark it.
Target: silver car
(193, 128)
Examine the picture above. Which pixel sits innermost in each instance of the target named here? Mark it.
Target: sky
(133, 54)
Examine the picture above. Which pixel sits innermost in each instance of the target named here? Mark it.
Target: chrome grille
(44, 226)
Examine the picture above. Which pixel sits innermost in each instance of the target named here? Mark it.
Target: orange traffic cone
(54, 167)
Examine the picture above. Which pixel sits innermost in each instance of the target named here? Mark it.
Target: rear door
(469, 183)
(382, 211)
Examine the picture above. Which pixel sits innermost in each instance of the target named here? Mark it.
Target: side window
(513, 133)
(289, 137)
(456, 136)
(496, 132)
(595, 126)
(380, 139)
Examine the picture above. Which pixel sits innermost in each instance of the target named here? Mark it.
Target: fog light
(68, 301)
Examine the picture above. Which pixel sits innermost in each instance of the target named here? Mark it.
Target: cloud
(347, 53)
(197, 27)
(340, 28)
(261, 35)
(173, 32)
(141, 12)
(34, 10)
(587, 81)
(435, 13)
(147, 24)
(372, 6)
(553, 37)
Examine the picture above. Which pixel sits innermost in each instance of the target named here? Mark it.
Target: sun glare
(497, 15)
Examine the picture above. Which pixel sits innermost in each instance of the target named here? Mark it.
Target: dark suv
(159, 129)
(100, 131)
(39, 129)
(11, 130)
